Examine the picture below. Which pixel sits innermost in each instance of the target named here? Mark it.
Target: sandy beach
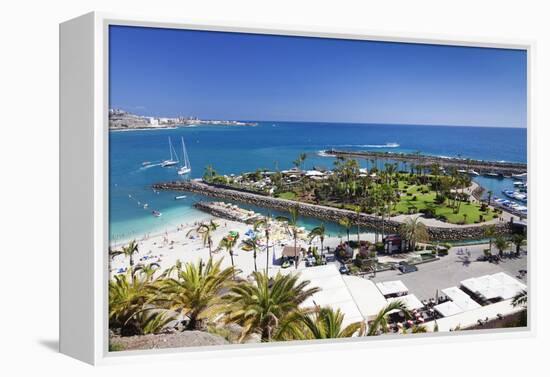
(166, 248)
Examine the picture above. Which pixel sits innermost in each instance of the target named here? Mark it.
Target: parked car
(406, 268)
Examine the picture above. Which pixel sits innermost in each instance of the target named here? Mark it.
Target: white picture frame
(84, 190)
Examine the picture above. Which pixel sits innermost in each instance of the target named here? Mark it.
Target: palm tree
(148, 270)
(252, 244)
(261, 306)
(322, 323)
(209, 173)
(196, 291)
(128, 251)
(358, 213)
(228, 243)
(292, 227)
(128, 295)
(489, 196)
(380, 323)
(518, 239)
(501, 243)
(265, 223)
(520, 299)
(346, 223)
(414, 231)
(302, 159)
(490, 232)
(319, 232)
(205, 231)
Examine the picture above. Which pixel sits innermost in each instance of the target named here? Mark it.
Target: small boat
(522, 197)
(171, 161)
(180, 197)
(145, 206)
(186, 167)
(156, 213)
(473, 172)
(521, 176)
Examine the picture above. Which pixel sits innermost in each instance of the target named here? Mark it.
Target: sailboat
(186, 167)
(171, 161)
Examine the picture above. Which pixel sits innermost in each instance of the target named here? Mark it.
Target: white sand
(167, 248)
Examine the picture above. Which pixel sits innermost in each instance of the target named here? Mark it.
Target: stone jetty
(480, 166)
(454, 233)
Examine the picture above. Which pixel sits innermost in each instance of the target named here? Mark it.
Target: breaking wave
(387, 145)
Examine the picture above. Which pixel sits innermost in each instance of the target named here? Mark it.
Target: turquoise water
(273, 145)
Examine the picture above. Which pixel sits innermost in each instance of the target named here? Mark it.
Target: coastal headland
(120, 120)
(481, 166)
(455, 232)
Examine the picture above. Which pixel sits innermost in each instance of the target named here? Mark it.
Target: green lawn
(426, 200)
(287, 195)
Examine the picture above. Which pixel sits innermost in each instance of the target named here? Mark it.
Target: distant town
(122, 120)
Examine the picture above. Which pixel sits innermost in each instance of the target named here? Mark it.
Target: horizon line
(331, 122)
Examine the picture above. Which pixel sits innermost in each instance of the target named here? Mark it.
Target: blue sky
(212, 75)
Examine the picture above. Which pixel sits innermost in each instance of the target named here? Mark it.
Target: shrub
(114, 347)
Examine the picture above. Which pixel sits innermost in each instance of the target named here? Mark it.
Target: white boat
(171, 161)
(180, 197)
(157, 213)
(186, 166)
(515, 195)
(522, 176)
(473, 172)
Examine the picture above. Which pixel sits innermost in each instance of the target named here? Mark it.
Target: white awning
(471, 318)
(334, 292)
(460, 298)
(499, 285)
(395, 287)
(314, 173)
(448, 308)
(368, 298)
(411, 301)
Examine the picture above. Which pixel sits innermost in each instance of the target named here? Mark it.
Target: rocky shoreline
(458, 233)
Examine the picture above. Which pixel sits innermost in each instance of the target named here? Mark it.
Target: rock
(181, 339)
(323, 212)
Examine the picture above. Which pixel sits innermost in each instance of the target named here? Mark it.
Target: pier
(483, 167)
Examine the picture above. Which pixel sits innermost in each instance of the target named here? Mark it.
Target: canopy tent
(471, 317)
(368, 298)
(448, 308)
(314, 173)
(460, 298)
(411, 301)
(499, 285)
(392, 288)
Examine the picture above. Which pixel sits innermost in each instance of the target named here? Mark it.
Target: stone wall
(328, 213)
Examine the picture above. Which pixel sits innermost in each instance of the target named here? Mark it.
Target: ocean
(273, 145)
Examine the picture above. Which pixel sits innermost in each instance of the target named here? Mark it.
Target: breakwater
(481, 166)
(454, 233)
